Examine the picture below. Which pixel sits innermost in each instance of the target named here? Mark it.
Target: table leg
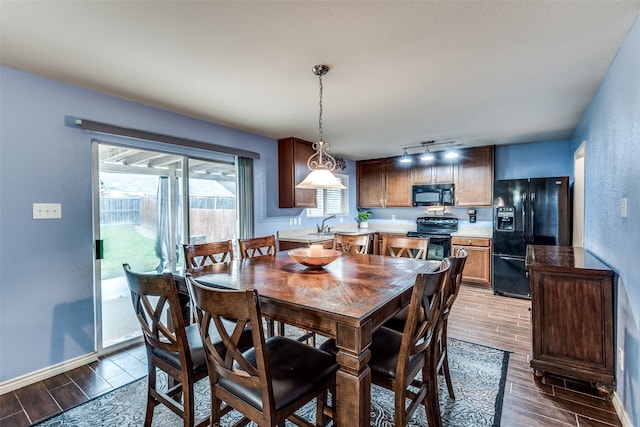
(353, 380)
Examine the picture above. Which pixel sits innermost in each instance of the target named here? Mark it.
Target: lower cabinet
(477, 269)
(285, 245)
(572, 322)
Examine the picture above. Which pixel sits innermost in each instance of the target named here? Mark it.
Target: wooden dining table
(346, 300)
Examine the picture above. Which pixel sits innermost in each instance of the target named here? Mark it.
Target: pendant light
(321, 163)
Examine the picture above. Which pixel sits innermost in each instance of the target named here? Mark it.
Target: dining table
(346, 300)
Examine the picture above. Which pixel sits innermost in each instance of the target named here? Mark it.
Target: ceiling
(477, 72)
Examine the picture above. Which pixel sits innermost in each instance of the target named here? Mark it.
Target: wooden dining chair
(176, 350)
(351, 243)
(198, 257)
(450, 294)
(402, 246)
(257, 246)
(268, 383)
(397, 358)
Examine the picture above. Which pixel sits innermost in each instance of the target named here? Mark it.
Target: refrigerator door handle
(511, 258)
(532, 199)
(523, 198)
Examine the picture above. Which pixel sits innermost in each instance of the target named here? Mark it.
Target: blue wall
(534, 160)
(46, 266)
(611, 129)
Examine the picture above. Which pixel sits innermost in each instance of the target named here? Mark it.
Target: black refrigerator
(526, 211)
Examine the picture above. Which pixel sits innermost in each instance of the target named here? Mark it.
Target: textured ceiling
(478, 72)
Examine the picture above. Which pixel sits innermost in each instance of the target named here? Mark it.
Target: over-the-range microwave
(433, 195)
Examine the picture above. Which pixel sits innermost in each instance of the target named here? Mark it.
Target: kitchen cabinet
(285, 245)
(474, 177)
(572, 322)
(383, 183)
(477, 269)
(293, 154)
(435, 173)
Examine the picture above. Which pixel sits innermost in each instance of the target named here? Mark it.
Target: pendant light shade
(321, 163)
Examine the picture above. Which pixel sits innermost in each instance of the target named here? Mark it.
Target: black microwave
(433, 195)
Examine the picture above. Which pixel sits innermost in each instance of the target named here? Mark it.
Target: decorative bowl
(303, 256)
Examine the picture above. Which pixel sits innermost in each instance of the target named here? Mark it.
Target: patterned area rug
(478, 374)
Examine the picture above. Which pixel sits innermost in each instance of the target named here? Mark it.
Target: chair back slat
(206, 254)
(351, 243)
(402, 246)
(257, 246)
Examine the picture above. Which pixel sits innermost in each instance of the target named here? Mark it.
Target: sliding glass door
(144, 218)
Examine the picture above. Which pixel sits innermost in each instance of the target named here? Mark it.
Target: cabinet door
(293, 154)
(477, 269)
(443, 173)
(398, 184)
(370, 183)
(474, 184)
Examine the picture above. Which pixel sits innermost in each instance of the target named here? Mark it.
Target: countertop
(309, 235)
(564, 259)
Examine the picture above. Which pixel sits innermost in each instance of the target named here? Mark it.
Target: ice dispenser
(506, 218)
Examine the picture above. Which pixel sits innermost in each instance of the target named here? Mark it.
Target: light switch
(624, 207)
(47, 211)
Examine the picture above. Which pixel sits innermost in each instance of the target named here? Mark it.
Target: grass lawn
(124, 244)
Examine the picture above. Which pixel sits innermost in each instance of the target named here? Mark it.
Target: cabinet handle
(469, 242)
(529, 309)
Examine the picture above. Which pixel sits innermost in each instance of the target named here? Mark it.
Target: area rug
(478, 374)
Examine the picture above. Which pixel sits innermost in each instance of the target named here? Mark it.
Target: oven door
(439, 245)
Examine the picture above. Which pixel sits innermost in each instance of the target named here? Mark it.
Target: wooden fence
(210, 218)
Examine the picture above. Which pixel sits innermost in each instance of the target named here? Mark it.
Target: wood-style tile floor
(478, 316)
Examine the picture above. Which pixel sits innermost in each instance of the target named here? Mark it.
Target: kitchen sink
(329, 234)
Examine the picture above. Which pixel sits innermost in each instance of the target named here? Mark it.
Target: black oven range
(438, 229)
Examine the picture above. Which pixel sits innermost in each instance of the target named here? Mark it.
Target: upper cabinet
(293, 154)
(474, 180)
(433, 173)
(386, 183)
(383, 183)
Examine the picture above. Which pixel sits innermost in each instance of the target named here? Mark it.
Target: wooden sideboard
(572, 315)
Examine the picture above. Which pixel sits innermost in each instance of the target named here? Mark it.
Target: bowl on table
(317, 260)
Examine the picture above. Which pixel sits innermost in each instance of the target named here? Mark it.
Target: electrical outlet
(291, 219)
(620, 358)
(393, 217)
(47, 211)
(341, 219)
(299, 220)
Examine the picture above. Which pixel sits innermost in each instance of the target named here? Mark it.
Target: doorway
(579, 195)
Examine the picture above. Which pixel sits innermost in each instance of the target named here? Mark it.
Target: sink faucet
(323, 228)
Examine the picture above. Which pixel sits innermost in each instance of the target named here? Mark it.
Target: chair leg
(151, 402)
(188, 401)
(445, 364)
(431, 402)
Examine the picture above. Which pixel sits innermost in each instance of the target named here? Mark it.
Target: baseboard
(48, 372)
(622, 414)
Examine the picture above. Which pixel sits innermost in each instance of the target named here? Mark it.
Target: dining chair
(398, 357)
(402, 246)
(409, 247)
(257, 246)
(174, 349)
(274, 379)
(351, 243)
(450, 294)
(199, 257)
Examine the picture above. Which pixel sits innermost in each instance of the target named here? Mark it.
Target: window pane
(212, 201)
